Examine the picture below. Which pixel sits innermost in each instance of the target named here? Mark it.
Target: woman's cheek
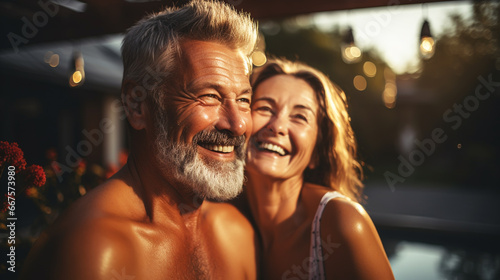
(258, 122)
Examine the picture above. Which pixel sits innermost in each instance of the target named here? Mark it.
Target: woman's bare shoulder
(346, 224)
(347, 220)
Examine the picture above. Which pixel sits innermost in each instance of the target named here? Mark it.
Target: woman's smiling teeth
(218, 148)
(272, 148)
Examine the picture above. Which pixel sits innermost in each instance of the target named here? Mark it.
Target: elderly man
(187, 97)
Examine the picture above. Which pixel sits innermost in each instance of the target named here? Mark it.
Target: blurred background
(422, 80)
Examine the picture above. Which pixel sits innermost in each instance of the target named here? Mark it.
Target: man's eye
(244, 100)
(210, 96)
(209, 99)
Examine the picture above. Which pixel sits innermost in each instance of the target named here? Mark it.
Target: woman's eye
(301, 117)
(265, 110)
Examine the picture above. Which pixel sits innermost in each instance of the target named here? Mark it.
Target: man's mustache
(219, 137)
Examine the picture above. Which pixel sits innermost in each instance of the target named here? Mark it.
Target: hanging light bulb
(427, 44)
(77, 74)
(259, 56)
(350, 52)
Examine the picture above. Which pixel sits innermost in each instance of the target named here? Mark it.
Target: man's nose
(231, 118)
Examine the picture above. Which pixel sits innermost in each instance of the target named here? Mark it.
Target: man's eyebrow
(193, 86)
(246, 91)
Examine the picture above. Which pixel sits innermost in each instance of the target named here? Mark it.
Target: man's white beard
(207, 179)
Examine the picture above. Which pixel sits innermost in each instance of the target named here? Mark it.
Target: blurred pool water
(421, 261)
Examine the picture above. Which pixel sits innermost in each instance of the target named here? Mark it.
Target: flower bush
(26, 178)
(11, 154)
(42, 193)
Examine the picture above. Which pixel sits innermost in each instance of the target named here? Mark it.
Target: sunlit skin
(282, 205)
(216, 94)
(287, 120)
(141, 223)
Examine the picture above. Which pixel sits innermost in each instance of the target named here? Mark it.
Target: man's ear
(134, 102)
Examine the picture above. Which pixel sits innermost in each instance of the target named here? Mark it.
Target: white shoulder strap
(316, 269)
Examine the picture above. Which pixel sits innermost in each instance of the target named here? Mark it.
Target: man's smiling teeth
(218, 148)
(272, 148)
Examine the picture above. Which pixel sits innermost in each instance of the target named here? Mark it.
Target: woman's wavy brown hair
(336, 165)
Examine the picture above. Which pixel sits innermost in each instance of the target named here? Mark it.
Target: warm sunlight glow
(393, 30)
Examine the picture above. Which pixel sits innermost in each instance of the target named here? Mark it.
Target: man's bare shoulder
(227, 215)
(114, 198)
(89, 249)
(234, 237)
(95, 237)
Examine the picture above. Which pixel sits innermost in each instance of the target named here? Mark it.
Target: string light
(77, 77)
(258, 56)
(350, 52)
(389, 95)
(51, 59)
(427, 44)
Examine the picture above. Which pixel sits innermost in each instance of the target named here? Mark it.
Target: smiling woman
(304, 180)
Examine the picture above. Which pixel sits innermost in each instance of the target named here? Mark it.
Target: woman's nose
(278, 125)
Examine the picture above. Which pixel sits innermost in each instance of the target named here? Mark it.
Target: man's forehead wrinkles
(238, 85)
(227, 72)
(207, 61)
(226, 55)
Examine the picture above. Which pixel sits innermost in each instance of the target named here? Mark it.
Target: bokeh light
(359, 83)
(259, 58)
(370, 69)
(76, 77)
(351, 53)
(427, 47)
(51, 59)
(54, 60)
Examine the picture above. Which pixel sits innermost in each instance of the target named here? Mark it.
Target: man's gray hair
(153, 44)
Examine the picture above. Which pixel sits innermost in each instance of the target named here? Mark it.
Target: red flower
(12, 154)
(34, 176)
